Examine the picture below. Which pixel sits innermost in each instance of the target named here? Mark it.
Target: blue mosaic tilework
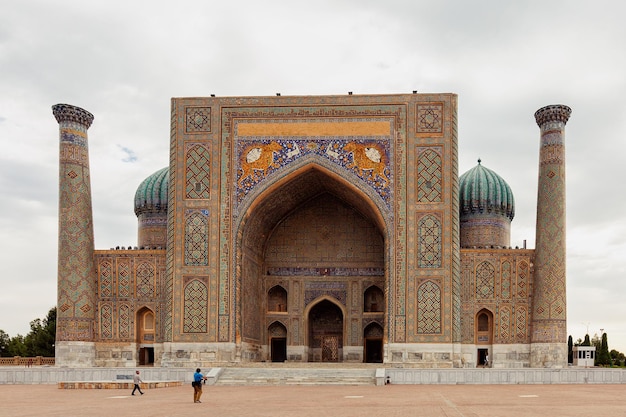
(286, 150)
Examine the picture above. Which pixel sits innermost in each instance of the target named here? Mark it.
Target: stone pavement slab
(320, 401)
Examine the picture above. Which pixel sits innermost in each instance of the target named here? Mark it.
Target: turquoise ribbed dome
(151, 196)
(482, 191)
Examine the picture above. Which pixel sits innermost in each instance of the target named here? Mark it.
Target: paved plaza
(320, 401)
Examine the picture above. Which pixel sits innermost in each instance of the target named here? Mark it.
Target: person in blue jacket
(198, 378)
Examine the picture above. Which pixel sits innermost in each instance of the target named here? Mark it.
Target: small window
(483, 322)
(148, 321)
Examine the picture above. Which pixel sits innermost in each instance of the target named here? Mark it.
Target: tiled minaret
(548, 322)
(76, 305)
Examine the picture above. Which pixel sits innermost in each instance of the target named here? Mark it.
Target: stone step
(296, 376)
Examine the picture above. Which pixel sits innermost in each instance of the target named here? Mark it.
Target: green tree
(4, 343)
(602, 356)
(570, 349)
(40, 340)
(586, 342)
(17, 346)
(617, 357)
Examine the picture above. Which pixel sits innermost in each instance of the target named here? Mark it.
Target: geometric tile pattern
(521, 325)
(195, 307)
(523, 273)
(169, 289)
(428, 308)
(197, 238)
(198, 119)
(429, 176)
(429, 242)
(124, 279)
(145, 280)
(504, 325)
(277, 329)
(485, 275)
(454, 241)
(125, 322)
(106, 279)
(198, 172)
(430, 118)
(106, 322)
(505, 280)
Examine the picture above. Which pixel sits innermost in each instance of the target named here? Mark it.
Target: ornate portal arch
(270, 204)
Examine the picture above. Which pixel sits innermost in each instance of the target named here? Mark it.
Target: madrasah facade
(314, 229)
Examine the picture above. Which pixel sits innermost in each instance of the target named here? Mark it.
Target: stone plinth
(117, 384)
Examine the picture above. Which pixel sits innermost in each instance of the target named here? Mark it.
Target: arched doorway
(278, 342)
(325, 332)
(373, 343)
(484, 337)
(145, 336)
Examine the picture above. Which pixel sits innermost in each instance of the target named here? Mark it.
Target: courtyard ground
(320, 401)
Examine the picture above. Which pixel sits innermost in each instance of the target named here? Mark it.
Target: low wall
(54, 375)
(505, 376)
(409, 376)
(27, 361)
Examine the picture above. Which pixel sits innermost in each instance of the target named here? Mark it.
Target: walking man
(137, 380)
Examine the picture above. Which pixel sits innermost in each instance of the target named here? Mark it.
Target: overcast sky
(123, 61)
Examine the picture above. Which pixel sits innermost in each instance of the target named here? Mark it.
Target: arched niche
(277, 299)
(373, 299)
(301, 189)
